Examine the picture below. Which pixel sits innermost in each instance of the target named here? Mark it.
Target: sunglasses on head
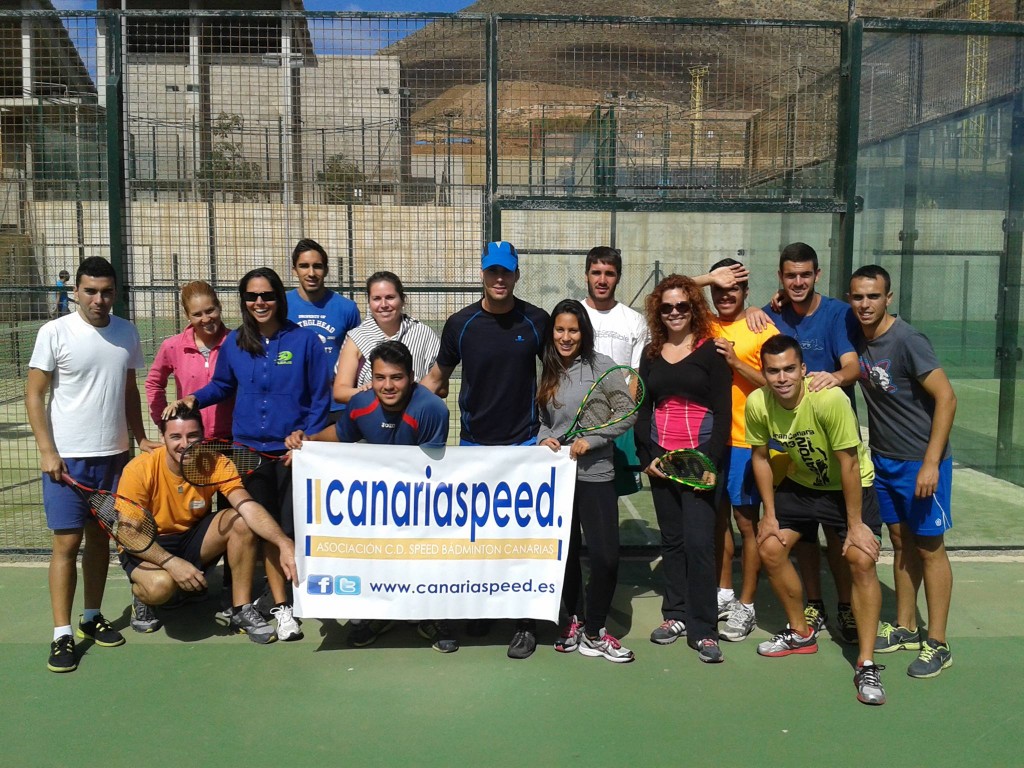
(267, 296)
(682, 307)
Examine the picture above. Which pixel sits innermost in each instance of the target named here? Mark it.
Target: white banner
(401, 532)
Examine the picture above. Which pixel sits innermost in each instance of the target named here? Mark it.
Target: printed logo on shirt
(386, 425)
(877, 375)
(284, 358)
(519, 338)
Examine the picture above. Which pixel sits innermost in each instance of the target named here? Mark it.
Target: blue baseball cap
(500, 254)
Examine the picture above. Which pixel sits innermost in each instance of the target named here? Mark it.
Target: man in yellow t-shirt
(829, 483)
(190, 537)
(741, 348)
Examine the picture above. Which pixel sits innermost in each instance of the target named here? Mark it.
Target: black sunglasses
(682, 307)
(267, 296)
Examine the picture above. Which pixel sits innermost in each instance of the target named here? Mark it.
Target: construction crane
(697, 77)
(976, 81)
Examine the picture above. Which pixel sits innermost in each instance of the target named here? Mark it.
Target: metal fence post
(114, 87)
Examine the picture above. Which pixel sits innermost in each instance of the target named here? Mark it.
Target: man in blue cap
(497, 340)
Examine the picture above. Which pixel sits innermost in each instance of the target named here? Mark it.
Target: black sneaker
(247, 621)
(708, 651)
(100, 632)
(523, 643)
(934, 658)
(815, 616)
(668, 632)
(62, 655)
(364, 633)
(144, 618)
(846, 624)
(440, 634)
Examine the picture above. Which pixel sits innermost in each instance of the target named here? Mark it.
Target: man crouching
(191, 537)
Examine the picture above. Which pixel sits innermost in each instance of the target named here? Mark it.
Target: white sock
(89, 614)
(59, 631)
(726, 595)
(750, 606)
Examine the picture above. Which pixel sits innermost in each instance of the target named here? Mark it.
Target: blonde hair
(196, 288)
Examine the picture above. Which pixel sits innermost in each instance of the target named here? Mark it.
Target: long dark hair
(249, 338)
(700, 313)
(553, 370)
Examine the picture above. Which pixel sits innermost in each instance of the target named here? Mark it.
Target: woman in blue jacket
(280, 376)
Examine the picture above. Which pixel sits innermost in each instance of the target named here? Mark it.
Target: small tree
(227, 170)
(341, 178)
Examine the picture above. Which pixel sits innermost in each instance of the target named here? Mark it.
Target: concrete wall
(439, 246)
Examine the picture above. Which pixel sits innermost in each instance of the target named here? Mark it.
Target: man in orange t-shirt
(741, 347)
(191, 537)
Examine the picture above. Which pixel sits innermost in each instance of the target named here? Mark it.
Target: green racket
(688, 466)
(608, 401)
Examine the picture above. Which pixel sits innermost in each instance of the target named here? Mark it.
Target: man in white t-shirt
(621, 333)
(86, 363)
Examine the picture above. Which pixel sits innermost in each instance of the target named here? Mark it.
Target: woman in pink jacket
(191, 357)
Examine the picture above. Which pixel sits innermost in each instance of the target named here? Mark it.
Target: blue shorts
(65, 507)
(895, 480)
(738, 473)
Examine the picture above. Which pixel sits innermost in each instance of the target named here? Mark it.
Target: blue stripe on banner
(307, 545)
(559, 549)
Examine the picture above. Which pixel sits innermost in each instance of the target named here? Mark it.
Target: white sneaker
(605, 645)
(287, 625)
(725, 607)
(740, 624)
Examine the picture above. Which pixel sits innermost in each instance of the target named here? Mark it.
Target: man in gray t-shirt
(910, 414)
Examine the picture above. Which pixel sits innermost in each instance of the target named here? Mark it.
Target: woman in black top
(687, 404)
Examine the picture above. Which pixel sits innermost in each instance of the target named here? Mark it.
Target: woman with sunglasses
(687, 404)
(570, 368)
(278, 374)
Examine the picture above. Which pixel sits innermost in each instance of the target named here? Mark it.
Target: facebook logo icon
(319, 584)
(325, 584)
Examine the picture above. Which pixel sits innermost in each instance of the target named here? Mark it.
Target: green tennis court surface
(189, 695)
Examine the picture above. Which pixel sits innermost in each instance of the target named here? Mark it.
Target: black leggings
(595, 509)
(271, 486)
(686, 518)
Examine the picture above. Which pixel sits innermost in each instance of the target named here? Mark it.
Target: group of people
(764, 393)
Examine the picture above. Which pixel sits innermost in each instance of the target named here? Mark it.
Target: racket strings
(687, 466)
(606, 403)
(130, 525)
(211, 464)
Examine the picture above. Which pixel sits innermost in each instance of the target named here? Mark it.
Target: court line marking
(635, 514)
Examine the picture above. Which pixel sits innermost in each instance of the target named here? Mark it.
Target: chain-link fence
(197, 145)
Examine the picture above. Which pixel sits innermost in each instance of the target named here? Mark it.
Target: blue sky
(389, 6)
